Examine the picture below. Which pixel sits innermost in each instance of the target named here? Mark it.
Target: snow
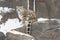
(53, 19)
(6, 9)
(42, 20)
(0, 17)
(14, 23)
(10, 24)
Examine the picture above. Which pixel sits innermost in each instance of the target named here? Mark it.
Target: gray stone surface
(12, 36)
(2, 36)
(45, 32)
(22, 29)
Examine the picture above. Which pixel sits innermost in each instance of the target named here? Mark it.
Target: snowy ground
(6, 9)
(44, 20)
(14, 23)
(10, 24)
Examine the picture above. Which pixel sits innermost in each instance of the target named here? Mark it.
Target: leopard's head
(19, 8)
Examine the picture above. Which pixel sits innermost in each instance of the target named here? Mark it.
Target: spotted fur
(27, 16)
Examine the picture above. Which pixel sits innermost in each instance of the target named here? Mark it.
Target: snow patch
(0, 17)
(42, 20)
(10, 24)
(6, 9)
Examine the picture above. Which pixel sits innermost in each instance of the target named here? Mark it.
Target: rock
(2, 36)
(43, 31)
(14, 35)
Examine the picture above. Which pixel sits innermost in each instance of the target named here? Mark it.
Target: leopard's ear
(17, 6)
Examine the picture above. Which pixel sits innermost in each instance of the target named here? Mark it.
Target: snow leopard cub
(25, 15)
